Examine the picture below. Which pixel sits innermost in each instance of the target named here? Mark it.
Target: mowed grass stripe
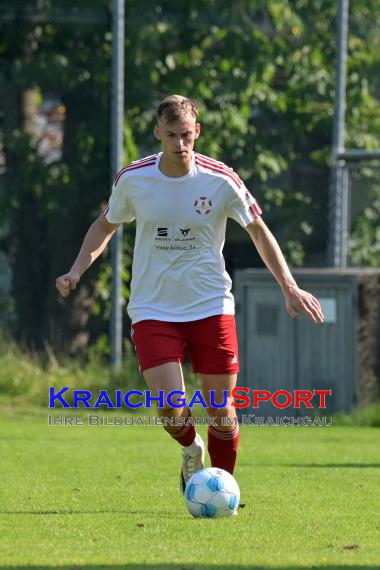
(93, 496)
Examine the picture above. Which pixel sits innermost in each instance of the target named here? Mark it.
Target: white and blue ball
(212, 493)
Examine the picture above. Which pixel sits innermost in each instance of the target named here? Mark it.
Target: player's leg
(168, 377)
(223, 439)
(213, 349)
(160, 350)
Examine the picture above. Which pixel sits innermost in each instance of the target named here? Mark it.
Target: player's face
(178, 138)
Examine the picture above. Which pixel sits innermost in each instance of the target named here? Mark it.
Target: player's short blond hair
(174, 107)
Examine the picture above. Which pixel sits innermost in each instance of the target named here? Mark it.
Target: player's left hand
(299, 301)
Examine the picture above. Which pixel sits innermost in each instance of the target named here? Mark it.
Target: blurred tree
(50, 206)
(364, 243)
(264, 74)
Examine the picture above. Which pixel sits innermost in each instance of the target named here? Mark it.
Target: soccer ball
(212, 493)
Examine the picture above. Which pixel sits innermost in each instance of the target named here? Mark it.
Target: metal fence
(359, 195)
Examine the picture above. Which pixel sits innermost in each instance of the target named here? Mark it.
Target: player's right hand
(67, 283)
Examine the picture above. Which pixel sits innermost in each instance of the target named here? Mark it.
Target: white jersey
(178, 271)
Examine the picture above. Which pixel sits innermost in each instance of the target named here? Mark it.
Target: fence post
(338, 203)
(117, 129)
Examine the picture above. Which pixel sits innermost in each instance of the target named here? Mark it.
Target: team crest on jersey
(203, 205)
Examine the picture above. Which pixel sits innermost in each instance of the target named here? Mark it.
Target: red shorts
(211, 344)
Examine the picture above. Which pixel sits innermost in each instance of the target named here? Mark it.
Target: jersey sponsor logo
(175, 238)
(203, 205)
(184, 235)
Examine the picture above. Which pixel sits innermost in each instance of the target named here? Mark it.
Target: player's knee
(227, 411)
(169, 411)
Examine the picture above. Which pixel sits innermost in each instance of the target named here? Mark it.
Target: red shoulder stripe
(255, 210)
(139, 164)
(217, 164)
(135, 163)
(133, 166)
(221, 170)
(141, 161)
(209, 159)
(148, 157)
(144, 159)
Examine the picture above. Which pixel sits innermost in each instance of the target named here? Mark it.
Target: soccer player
(180, 292)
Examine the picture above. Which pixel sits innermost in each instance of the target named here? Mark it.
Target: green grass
(108, 498)
(26, 378)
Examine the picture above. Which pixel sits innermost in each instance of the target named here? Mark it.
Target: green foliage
(364, 242)
(102, 301)
(47, 207)
(263, 73)
(368, 416)
(26, 377)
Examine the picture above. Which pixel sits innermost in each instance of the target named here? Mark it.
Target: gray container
(279, 353)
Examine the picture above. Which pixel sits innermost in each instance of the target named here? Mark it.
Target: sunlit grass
(83, 496)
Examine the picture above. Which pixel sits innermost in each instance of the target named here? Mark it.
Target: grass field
(108, 498)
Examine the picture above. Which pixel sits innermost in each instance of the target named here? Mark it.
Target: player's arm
(295, 298)
(94, 243)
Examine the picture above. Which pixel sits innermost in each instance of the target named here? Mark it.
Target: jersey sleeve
(241, 205)
(119, 209)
